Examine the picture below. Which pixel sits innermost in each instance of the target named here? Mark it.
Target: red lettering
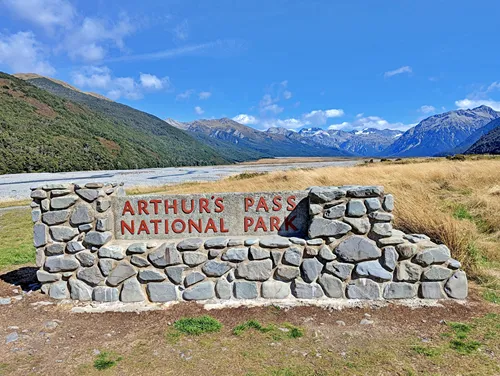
(142, 207)
(156, 222)
(130, 228)
(143, 227)
(187, 211)
(247, 222)
(222, 228)
(262, 205)
(204, 205)
(274, 224)
(289, 222)
(260, 225)
(248, 203)
(291, 203)
(219, 205)
(210, 226)
(166, 226)
(173, 206)
(277, 203)
(174, 226)
(127, 208)
(155, 204)
(192, 224)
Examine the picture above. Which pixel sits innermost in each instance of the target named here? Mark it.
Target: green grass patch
(461, 330)
(277, 333)
(197, 325)
(252, 324)
(461, 212)
(491, 296)
(16, 238)
(106, 360)
(464, 347)
(430, 352)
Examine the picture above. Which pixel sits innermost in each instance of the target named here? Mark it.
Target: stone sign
(94, 243)
(222, 214)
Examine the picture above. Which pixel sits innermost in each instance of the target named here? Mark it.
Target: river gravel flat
(17, 186)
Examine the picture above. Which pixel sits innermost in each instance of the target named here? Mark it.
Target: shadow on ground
(24, 277)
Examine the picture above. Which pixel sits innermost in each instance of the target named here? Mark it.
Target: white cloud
(181, 31)
(494, 86)
(401, 70)
(427, 109)
(93, 77)
(319, 117)
(101, 78)
(22, 53)
(94, 37)
(245, 119)
(199, 110)
(480, 97)
(150, 81)
(369, 122)
(204, 95)
(291, 123)
(272, 108)
(185, 95)
(44, 13)
(222, 45)
(472, 103)
(287, 94)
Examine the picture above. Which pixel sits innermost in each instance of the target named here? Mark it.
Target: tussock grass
(427, 191)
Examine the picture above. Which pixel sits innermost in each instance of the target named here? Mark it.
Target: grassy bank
(454, 202)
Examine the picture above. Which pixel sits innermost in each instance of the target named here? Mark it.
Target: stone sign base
(351, 251)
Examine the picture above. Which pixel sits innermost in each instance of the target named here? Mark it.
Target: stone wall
(351, 252)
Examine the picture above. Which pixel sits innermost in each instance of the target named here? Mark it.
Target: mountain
(489, 143)
(239, 142)
(473, 138)
(40, 131)
(31, 76)
(366, 142)
(440, 133)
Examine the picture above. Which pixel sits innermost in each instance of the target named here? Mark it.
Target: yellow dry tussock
(427, 194)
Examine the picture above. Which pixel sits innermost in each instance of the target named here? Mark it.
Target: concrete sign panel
(208, 215)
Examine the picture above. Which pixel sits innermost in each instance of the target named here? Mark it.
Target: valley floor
(17, 186)
(454, 202)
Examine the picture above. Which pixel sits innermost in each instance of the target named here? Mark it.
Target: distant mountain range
(49, 125)
(448, 133)
(239, 142)
(441, 133)
(366, 142)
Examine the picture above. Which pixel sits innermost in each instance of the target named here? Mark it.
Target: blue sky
(341, 64)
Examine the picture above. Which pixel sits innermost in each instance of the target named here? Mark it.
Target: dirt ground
(54, 341)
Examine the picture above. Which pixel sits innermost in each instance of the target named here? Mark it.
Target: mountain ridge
(40, 131)
(441, 132)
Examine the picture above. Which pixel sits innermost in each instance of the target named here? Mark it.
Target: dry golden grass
(454, 202)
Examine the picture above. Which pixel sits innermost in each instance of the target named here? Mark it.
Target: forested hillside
(43, 132)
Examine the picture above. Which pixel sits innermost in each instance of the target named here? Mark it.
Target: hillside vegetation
(42, 132)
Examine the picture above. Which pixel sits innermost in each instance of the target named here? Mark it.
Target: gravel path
(17, 186)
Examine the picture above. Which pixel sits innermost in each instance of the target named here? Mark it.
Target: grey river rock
(17, 186)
